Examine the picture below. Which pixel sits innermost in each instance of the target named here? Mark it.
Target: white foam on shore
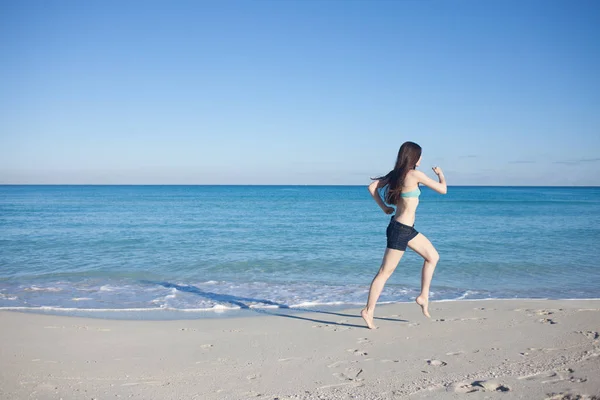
(519, 299)
(222, 308)
(264, 306)
(316, 303)
(219, 308)
(35, 288)
(499, 298)
(466, 294)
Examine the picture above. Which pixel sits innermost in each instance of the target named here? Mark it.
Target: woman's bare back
(406, 207)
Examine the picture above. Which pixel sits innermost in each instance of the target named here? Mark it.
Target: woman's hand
(438, 171)
(388, 210)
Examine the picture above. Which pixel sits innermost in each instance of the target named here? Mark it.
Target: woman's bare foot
(368, 317)
(424, 303)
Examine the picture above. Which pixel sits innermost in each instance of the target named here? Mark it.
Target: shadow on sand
(241, 302)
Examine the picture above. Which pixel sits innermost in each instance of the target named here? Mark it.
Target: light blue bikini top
(412, 193)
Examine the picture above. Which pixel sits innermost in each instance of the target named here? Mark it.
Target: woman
(402, 190)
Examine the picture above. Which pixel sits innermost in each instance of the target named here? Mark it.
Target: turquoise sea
(168, 251)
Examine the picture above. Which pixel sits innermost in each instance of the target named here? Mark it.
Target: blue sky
(298, 92)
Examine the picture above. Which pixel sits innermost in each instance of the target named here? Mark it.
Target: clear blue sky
(298, 92)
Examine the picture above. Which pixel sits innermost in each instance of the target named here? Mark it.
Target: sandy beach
(498, 349)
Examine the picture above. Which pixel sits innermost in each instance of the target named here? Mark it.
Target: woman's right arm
(439, 187)
(374, 190)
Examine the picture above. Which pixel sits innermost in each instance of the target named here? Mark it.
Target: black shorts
(398, 235)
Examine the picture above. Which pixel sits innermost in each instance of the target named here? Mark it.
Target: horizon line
(271, 185)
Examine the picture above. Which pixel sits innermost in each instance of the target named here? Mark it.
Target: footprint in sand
(541, 312)
(253, 377)
(544, 312)
(531, 311)
(554, 376)
(590, 334)
(569, 396)
(543, 350)
(437, 363)
(577, 380)
(484, 386)
(491, 386)
(548, 321)
(332, 328)
(461, 387)
(357, 352)
(456, 353)
(206, 346)
(349, 374)
(363, 341)
(460, 319)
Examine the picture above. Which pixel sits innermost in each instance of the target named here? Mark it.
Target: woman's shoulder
(413, 178)
(413, 174)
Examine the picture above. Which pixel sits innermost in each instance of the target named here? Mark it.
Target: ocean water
(164, 251)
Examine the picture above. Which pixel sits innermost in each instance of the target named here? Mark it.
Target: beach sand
(497, 349)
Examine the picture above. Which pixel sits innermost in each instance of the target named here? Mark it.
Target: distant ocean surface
(165, 251)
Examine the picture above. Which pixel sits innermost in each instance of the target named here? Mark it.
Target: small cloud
(469, 156)
(577, 162)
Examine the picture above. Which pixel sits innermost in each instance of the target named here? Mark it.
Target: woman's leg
(422, 246)
(391, 258)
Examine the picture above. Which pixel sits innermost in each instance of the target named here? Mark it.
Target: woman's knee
(386, 271)
(433, 257)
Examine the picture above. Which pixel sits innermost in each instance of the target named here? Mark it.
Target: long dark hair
(408, 156)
